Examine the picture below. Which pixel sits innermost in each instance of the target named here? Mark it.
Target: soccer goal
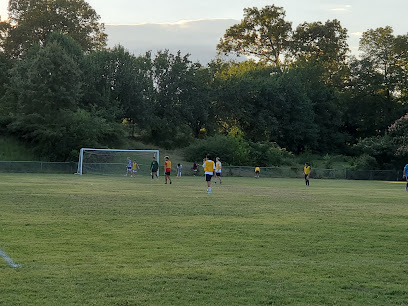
(115, 161)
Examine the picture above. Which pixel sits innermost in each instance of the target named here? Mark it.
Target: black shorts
(256, 172)
(208, 177)
(218, 173)
(306, 176)
(154, 170)
(167, 173)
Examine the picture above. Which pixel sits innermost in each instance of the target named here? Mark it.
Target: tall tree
(119, 85)
(387, 55)
(4, 67)
(43, 100)
(377, 89)
(31, 22)
(265, 104)
(323, 43)
(263, 33)
(45, 85)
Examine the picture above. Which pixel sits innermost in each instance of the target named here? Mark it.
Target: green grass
(123, 241)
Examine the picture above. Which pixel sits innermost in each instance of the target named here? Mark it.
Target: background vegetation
(61, 89)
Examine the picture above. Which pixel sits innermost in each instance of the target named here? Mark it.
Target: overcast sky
(355, 15)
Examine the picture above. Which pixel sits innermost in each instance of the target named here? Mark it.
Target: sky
(196, 26)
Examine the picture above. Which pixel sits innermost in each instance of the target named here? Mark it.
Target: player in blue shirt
(405, 174)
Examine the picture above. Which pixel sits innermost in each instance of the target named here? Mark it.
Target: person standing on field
(129, 167)
(135, 167)
(179, 168)
(405, 175)
(195, 168)
(257, 170)
(154, 167)
(209, 169)
(307, 170)
(167, 169)
(218, 167)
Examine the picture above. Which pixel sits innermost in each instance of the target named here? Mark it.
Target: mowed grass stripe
(134, 241)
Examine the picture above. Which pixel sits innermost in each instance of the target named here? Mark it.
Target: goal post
(113, 161)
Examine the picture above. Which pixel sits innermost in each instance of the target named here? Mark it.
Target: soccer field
(96, 240)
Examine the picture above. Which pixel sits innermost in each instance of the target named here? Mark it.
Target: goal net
(115, 161)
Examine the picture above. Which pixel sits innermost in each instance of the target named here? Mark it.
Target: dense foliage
(61, 90)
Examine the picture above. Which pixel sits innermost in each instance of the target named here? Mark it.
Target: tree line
(61, 88)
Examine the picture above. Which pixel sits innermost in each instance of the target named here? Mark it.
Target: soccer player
(218, 167)
(167, 169)
(257, 170)
(135, 167)
(209, 168)
(179, 168)
(195, 168)
(306, 171)
(154, 167)
(129, 167)
(405, 175)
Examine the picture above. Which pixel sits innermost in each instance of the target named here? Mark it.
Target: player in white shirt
(129, 167)
(179, 168)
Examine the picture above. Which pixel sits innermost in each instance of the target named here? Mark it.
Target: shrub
(231, 150)
(268, 154)
(365, 162)
(398, 132)
(328, 161)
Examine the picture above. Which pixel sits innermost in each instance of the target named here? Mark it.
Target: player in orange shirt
(167, 169)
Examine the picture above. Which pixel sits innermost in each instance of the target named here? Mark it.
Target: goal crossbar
(81, 155)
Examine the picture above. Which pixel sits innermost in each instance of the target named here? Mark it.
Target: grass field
(132, 241)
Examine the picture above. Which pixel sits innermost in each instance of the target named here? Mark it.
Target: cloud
(196, 37)
(356, 34)
(344, 8)
(176, 23)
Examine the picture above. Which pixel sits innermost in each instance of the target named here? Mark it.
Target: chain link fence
(345, 174)
(37, 167)
(231, 171)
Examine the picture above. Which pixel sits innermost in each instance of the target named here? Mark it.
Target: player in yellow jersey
(218, 169)
(257, 170)
(307, 170)
(209, 168)
(135, 167)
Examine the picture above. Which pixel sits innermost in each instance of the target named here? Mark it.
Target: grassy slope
(122, 241)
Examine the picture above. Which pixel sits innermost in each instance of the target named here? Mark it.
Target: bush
(307, 157)
(60, 139)
(181, 136)
(328, 161)
(268, 154)
(398, 132)
(232, 150)
(365, 162)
